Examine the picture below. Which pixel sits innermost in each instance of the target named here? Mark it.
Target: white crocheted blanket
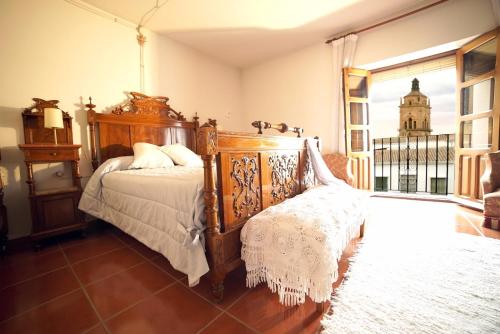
(295, 246)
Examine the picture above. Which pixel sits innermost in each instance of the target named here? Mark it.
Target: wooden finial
(90, 105)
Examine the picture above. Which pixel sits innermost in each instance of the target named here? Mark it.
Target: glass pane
(477, 133)
(359, 113)
(381, 183)
(360, 140)
(438, 186)
(480, 60)
(408, 183)
(478, 98)
(357, 86)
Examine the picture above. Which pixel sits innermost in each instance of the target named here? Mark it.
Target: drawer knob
(53, 154)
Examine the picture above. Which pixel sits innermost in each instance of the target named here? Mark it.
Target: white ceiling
(245, 32)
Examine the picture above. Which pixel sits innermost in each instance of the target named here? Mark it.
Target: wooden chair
(490, 182)
(340, 166)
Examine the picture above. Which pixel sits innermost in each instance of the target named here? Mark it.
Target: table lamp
(53, 119)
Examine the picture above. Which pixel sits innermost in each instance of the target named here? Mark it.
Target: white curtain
(343, 50)
(321, 170)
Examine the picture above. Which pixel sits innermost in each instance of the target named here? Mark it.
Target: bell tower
(415, 113)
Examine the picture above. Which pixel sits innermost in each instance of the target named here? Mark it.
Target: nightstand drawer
(51, 155)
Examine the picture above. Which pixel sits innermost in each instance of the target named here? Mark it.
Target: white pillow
(182, 155)
(149, 156)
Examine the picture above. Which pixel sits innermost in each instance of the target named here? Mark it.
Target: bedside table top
(49, 146)
(38, 153)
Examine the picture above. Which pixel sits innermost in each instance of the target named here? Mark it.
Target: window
(438, 79)
(408, 183)
(438, 185)
(381, 183)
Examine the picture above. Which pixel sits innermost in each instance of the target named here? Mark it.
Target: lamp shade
(53, 118)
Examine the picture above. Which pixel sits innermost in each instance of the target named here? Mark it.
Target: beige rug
(447, 285)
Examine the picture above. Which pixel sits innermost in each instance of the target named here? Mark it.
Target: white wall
(54, 50)
(448, 22)
(198, 84)
(296, 88)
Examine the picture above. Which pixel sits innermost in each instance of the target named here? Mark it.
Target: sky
(439, 86)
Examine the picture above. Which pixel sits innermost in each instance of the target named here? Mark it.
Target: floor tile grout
(225, 311)
(91, 328)
(150, 260)
(89, 300)
(114, 315)
(471, 223)
(461, 219)
(209, 323)
(22, 261)
(113, 274)
(229, 314)
(180, 281)
(33, 277)
(94, 256)
(38, 305)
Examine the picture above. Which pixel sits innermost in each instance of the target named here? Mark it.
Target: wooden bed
(251, 171)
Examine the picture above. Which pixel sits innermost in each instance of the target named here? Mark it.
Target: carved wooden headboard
(141, 119)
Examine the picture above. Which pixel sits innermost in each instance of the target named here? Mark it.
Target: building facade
(423, 164)
(415, 113)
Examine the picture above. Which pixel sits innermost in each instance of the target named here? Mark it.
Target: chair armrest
(487, 183)
(340, 166)
(490, 180)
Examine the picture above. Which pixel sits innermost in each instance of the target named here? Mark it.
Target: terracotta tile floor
(110, 283)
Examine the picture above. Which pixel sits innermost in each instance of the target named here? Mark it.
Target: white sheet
(162, 208)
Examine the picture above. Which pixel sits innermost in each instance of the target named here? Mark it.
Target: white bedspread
(162, 208)
(295, 246)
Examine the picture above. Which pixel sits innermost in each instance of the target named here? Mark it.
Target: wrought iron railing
(415, 164)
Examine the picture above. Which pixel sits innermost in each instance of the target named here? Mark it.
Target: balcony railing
(415, 164)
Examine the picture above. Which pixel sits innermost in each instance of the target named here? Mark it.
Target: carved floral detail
(41, 104)
(283, 176)
(246, 192)
(148, 105)
(207, 139)
(212, 142)
(308, 172)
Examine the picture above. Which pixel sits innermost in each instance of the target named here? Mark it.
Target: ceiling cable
(101, 13)
(151, 13)
(141, 39)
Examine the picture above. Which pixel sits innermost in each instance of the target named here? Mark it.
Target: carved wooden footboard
(252, 172)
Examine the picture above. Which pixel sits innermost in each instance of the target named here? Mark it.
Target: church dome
(415, 89)
(415, 97)
(415, 113)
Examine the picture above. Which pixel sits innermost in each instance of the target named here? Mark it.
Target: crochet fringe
(277, 277)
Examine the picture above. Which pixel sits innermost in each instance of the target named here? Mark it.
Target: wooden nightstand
(54, 211)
